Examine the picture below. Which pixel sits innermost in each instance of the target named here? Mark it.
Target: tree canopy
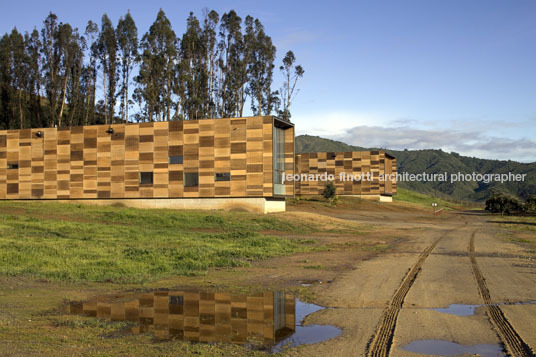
(60, 76)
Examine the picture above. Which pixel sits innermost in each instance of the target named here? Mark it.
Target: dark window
(13, 166)
(222, 176)
(176, 305)
(191, 179)
(176, 300)
(175, 159)
(146, 178)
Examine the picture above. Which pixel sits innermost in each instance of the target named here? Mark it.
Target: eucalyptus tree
(193, 72)
(50, 77)
(5, 79)
(89, 74)
(58, 54)
(32, 45)
(260, 68)
(242, 56)
(18, 77)
(231, 63)
(157, 73)
(72, 52)
(61, 56)
(74, 93)
(292, 73)
(127, 39)
(209, 39)
(52, 53)
(107, 52)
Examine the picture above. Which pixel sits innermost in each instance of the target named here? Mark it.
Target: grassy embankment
(412, 197)
(66, 242)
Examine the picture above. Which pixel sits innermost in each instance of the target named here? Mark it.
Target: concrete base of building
(380, 198)
(255, 205)
(386, 198)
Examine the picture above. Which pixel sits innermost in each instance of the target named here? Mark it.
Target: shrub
(530, 204)
(329, 191)
(499, 202)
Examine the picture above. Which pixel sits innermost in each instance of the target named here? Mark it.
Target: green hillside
(308, 143)
(438, 161)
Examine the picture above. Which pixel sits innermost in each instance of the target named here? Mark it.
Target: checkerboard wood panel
(231, 158)
(260, 319)
(374, 163)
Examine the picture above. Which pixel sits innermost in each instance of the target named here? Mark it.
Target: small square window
(176, 300)
(222, 176)
(146, 178)
(13, 166)
(191, 179)
(175, 160)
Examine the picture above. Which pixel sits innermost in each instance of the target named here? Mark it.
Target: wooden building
(207, 163)
(260, 320)
(373, 173)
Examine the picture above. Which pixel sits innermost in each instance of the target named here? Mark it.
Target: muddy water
(271, 320)
(447, 348)
(306, 334)
(467, 310)
(459, 309)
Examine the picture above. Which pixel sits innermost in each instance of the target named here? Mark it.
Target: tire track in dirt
(381, 341)
(514, 344)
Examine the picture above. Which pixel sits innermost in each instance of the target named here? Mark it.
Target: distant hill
(438, 161)
(308, 143)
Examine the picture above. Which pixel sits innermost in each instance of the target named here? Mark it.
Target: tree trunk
(259, 99)
(168, 101)
(20, 107)
(62, 100)
(88, 96)
(126, 96)
(105, 99)
(75, 101)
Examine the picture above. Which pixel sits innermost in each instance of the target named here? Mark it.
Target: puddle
(310, 282)
(306, 334)
(447, 348)
(459, 309)
(468, 310)
(271, 321)
(519, 303)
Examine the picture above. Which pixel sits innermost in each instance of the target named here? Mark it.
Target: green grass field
(68, 242)
(408, 196)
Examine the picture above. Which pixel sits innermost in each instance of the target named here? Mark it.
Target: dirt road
(387, 305)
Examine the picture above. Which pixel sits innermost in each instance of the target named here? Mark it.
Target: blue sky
(456, 75)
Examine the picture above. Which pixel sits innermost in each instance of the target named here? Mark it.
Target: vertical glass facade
(279, 155)
(279, 311)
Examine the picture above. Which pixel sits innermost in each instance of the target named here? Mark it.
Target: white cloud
(505, 140)
(335, 123)
(470, 143)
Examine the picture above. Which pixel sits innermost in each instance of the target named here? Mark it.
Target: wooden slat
(94, 162)
(349, 163)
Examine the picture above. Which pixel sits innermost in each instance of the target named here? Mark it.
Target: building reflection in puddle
(258, 320)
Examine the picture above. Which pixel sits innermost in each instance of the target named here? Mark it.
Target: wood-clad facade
(261, 319)
(374, 163)
(207, 158)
